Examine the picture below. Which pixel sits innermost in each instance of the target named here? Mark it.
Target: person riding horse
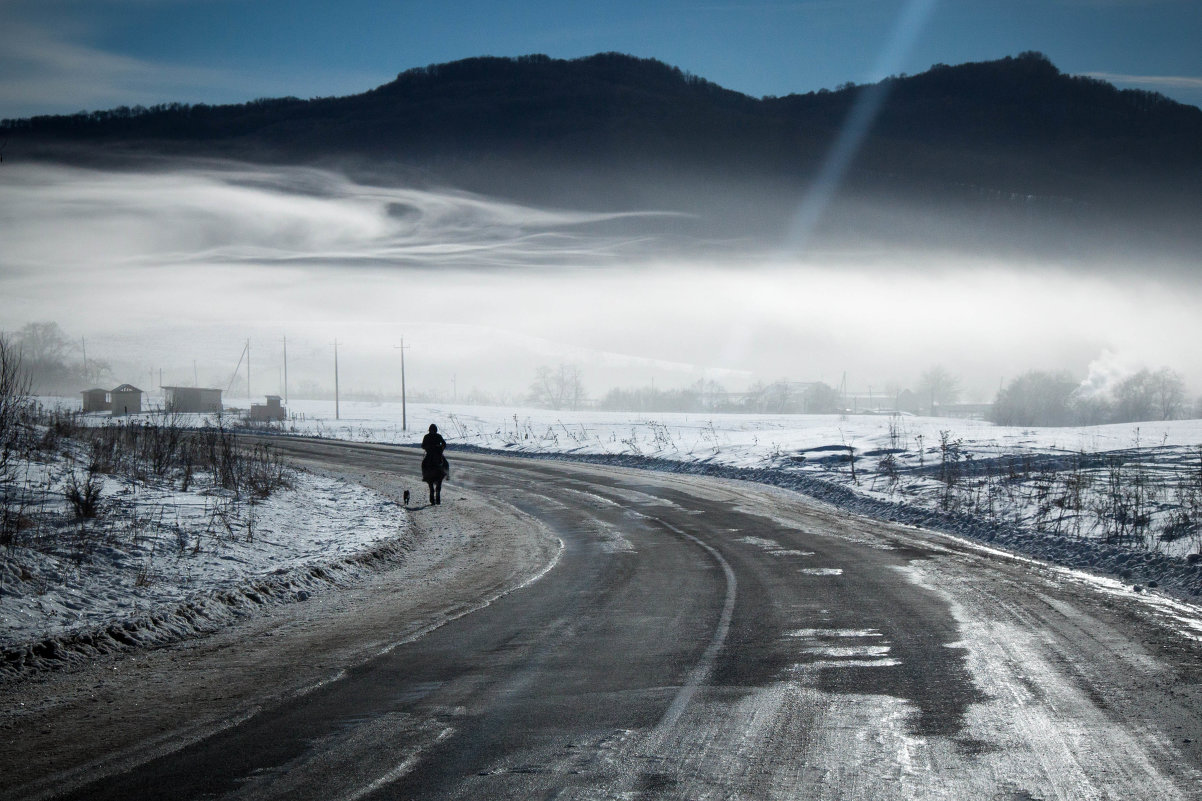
(434, 465)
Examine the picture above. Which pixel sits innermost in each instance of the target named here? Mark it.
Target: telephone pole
(337, 416)
(285, 371)
(404, 416)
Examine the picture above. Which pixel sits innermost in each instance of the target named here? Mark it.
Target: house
(125, 399)
(96, 400)
(191, 400)
(272, 410)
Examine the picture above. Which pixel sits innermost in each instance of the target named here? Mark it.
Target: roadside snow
(158, 564)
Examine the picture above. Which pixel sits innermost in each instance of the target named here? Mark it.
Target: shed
(272, 410)
(126, 399)
(191, 400)
(96, 400)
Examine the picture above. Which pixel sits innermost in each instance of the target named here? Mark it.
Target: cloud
(45, 72)
(51, 71)
(227, 215)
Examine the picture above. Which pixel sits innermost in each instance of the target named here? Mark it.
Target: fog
(175, 269)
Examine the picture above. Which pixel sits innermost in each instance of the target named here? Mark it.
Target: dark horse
(434, 466)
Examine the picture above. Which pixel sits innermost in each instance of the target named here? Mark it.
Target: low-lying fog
(175, 269)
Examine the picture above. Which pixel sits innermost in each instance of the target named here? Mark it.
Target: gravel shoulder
(65, 728)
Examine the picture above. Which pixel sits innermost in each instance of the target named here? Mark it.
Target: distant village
(128, 400)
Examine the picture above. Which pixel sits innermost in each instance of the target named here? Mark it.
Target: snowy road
(698, 638)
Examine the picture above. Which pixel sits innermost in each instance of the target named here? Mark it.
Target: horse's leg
(438, 493)
(430, 484)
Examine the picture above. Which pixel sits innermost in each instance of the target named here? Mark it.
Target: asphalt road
(700, 638)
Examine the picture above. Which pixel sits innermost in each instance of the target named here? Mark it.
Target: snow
(159, 563)
(175, 567)
(1054, 494)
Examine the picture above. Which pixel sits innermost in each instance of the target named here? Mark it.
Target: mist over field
(173, 268)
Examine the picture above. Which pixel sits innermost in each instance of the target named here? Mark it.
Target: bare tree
(14, 397)
(557, 387)
(44, 350)
(1135, 398)
(1168, 388)
(1148, 395)
(1036, 398)
(820, 398)
(938, 387)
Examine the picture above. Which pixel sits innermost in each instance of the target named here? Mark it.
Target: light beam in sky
(864, 110)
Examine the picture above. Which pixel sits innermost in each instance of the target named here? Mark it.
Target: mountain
(1003, 152)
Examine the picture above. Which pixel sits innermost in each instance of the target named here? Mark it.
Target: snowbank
(160, 564)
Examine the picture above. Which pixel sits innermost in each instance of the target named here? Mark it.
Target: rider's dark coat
(434, 465)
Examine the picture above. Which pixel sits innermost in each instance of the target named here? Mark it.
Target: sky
(176, 268)
(62, 56)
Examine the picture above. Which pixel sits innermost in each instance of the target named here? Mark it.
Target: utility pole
(195, 375)
(285, 371)
(404, 416)
(454, 388)
(337, 416)
(84, 342)
(248, 369)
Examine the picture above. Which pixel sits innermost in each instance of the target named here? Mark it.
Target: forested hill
(612, 129)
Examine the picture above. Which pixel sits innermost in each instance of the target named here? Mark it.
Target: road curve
(700, 638)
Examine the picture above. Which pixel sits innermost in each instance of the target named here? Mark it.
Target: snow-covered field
(157, 561)
(1124, 499)
(1137, 485)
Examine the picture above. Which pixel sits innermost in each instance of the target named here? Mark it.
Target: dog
(406, 497)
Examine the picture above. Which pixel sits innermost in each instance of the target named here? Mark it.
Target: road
(699, 638)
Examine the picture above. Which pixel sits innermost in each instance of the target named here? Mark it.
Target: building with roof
(266, 412)
(96, 400)
(125, 399)
(192, 400)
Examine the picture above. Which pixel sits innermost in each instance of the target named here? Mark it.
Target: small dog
(406, 497)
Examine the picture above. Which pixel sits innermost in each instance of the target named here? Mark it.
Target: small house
(191, 400)
(126, 399)
(96, 400)
(272, 410)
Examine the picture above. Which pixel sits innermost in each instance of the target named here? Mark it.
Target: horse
(434, 470)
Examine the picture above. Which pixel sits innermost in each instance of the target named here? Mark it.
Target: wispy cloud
(46, 72)
(295, 216)
(53, 71)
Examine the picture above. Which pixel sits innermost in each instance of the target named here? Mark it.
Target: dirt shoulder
(64, 728)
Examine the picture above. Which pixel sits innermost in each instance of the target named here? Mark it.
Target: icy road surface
(693, 638)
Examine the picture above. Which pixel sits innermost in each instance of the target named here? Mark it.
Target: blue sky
(61, 56)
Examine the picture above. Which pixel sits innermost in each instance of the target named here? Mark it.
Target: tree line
(1036, 398)
(562, 387)
(1055, 398)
